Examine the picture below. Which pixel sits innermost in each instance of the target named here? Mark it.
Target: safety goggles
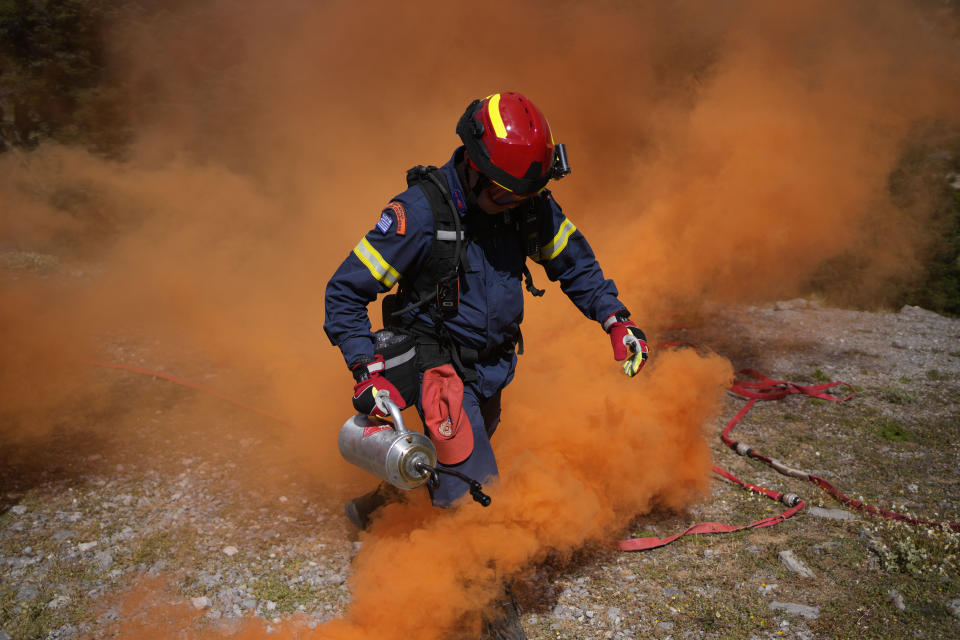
(504, 197)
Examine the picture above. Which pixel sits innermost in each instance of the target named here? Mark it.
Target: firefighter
(463, 312)
(456, 242)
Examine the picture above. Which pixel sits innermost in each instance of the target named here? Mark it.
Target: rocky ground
(86, 518)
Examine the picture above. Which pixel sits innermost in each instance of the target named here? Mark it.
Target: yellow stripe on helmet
(379, 268)
(493, 110)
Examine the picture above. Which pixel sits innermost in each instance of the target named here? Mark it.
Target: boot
(501, 620)
(360, 510)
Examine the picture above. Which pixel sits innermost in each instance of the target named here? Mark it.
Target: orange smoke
(720, 152)
(564, 481)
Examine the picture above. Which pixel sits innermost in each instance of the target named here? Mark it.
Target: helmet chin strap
(473, 196)
(474, 191)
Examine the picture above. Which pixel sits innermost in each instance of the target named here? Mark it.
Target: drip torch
(406, 459)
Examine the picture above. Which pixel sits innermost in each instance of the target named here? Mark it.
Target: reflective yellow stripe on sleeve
(559, 242)
(379, 268)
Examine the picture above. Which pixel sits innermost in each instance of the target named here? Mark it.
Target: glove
(629, 343)
(372, 386)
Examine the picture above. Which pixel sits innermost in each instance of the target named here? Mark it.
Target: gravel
(238, 551)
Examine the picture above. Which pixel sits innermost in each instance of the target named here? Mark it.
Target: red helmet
(508, 140)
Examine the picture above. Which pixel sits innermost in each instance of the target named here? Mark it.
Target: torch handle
(383, 400)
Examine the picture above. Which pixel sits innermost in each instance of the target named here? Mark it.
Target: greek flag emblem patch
(384, 223)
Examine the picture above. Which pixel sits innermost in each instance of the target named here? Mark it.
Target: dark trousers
(480, 465)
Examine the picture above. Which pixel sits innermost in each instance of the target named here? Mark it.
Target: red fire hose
(760, 387)
(755, 387)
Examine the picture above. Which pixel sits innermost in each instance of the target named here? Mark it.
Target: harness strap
(403, 358)
(436, 286)
(528, 280)
(449, 236)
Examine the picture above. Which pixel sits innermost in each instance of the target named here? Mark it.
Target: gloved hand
(368, 372)
(629, 343)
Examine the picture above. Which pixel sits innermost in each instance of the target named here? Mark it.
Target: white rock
(270, 605)
(86, 546)
(18, 509)
(897, 599)
(767, 589)
(230, 550)
(831, 514)
(918, 312)
(799, 609)
(794, 564)
(873, 543)
(26, 593)
(954, 606)
(201, 602)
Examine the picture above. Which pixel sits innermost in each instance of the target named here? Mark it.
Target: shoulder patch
(400, 213)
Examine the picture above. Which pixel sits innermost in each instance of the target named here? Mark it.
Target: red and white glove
(370, 387)
(629, 343)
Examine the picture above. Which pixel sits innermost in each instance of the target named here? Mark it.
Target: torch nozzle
(476, 489)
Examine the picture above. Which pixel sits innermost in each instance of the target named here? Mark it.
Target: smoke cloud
(721, 152)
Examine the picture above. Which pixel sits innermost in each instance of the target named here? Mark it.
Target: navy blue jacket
(491, 296)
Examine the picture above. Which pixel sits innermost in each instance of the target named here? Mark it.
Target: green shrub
(892, 430)
(898, 395)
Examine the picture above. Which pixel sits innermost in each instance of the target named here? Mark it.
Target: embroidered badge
(401, 216)
(458, 201)
(446, 428)
(385, 222)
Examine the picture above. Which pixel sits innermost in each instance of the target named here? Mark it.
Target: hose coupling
(790, 499)
(742, 449)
